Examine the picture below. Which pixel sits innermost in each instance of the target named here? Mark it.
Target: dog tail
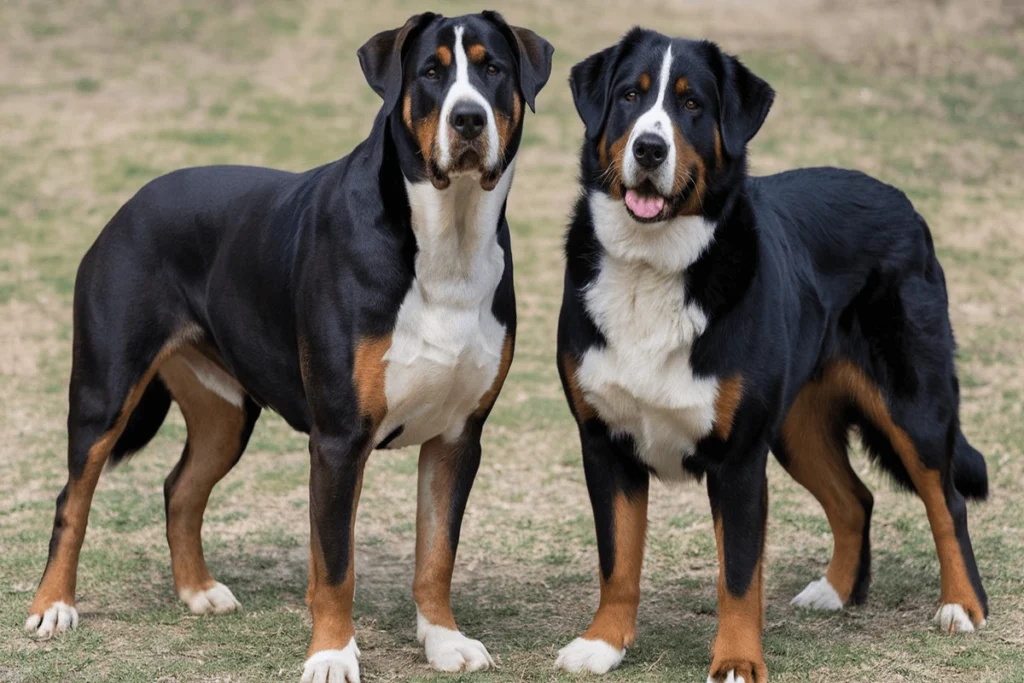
(970, 474)
(144, 422)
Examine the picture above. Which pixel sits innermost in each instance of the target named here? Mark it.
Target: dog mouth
(467, 160)
(646, 205)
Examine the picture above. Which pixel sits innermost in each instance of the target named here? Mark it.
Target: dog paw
(737, 670)
(818, 595)
(449, 650)
(333, 666)
(58, 618)
(589, 656)
(217, 599)
(953, 618)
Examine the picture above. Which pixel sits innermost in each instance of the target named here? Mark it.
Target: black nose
(650, 150)
(468, 118)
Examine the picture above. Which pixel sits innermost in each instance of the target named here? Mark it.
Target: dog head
(666, 119)
(454, 89)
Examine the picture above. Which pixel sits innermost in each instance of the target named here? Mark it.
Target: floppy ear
(381, 58)
(590, 82)
(533, 56)
(743, 103)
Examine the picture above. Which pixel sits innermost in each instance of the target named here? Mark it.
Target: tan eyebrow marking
(644, 81)
(476, 53)
(444, 55)
(681, 85)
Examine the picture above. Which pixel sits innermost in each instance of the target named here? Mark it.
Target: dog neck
(456, 231)
(669, 246)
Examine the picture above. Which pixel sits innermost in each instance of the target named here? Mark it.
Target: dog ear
(743, 103)
(590, 82)
(533, 56)
(381, 58)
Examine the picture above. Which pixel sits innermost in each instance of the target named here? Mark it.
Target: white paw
(953, 618)
(333, 666)
(449, 650)
(818, 595)
(589, 656)
(60, 617)
(731, 678)
(217, 599)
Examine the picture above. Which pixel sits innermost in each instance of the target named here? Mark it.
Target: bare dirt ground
(99, 96)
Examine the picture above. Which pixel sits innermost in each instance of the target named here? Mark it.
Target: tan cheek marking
(426, 134)
(476, 53)
(730, 393)
(618, 153)
(407, 112)
(488, 399)
(444, 55)
(956, 583)
(615, 620)
(583, 410)
(368, 377)
(644, 82)
(688, 162)
(738, 642)
(718, 148)
(681, 85)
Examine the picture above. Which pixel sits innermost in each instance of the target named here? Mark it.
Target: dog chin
(442, 178)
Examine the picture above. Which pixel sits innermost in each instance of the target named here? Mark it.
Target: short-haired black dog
(709, 316)
(368, 301)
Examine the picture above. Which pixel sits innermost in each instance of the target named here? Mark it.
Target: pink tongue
(644, 207)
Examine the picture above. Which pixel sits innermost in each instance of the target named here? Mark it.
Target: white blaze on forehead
(655, 120)
(461, 91)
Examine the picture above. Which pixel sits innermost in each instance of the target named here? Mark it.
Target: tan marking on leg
(956, 583)
(368, 377)
(740, 619)
(491, 395)
(615, 621)
(577, 403)
(821, 465)
(730, 393)
(61, 574)
(644, 82)
(331, 604)
(444, 55)
(476, 53)
(214, 440)
(434, 558)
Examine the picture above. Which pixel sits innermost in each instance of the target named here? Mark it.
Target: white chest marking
(641, 382)
(446, 345)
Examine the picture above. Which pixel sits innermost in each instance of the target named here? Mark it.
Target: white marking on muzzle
(655, 120)
(461, 91)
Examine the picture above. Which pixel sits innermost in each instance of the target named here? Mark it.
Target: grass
(97, 97)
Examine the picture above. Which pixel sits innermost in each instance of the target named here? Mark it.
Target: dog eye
(492, 70)
(692, 104)
(631, 95)
(431, 73)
